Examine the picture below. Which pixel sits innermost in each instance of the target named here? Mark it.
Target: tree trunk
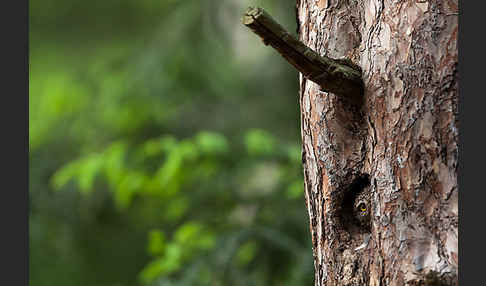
(381, 174)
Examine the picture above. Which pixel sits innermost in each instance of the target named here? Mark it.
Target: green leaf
(169, 263)
(259, 142)
(295, 190)
(83, 170)
(64, 175)
(194, 236)
(158, 146)
(211, 143)
(188, 150)
(294, 154)
(246, 253)
(169, 177)
(114, 157)
(89, 167)
(164, 180)
(188, 232)
(129, 186)
(156, 242)
(53, 98)
(177, 207)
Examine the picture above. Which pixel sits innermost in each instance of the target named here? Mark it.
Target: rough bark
(398, 148)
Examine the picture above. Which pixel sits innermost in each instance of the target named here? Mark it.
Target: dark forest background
(164, 147)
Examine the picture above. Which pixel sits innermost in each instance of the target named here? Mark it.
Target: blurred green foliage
(164, 147)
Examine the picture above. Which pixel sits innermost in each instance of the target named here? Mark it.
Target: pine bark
(398, 145)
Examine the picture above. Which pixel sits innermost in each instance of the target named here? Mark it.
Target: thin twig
(332, 75)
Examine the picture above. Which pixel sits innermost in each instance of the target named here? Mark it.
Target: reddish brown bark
(399, 145)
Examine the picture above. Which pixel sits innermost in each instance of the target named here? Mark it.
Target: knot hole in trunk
(355, 211)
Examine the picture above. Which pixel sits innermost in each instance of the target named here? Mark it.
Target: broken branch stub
(332, 75)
